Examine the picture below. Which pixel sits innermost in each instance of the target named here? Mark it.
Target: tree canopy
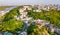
(11, 24)
(52, 15)
(35, 30)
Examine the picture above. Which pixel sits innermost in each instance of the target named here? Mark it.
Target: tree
(35, 30)
(11, 14)
(52, 15)
(11, 24)
(0, 27)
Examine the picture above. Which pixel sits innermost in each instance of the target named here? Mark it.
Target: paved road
(25, 27)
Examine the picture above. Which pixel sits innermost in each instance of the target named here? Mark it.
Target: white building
(46, 7)
(59, 7)
(37, 11)
(27, 7)
(23, 12)
(26, 20)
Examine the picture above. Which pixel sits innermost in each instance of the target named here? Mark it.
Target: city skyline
(27, 2)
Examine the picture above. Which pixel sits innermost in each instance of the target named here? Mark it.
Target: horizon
(27, 2)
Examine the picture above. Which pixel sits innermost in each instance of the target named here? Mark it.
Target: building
(58, 7)
(46, 7)
(23, 12)
(36, 8)
(40, 23)
(29, 7)
(26, 19)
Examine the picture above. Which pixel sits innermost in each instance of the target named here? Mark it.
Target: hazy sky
(20, 2)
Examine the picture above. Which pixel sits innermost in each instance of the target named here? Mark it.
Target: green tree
(11, 24)
(35, 30)
(52, 15)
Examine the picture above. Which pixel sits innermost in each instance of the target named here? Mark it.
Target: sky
(27, 2)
